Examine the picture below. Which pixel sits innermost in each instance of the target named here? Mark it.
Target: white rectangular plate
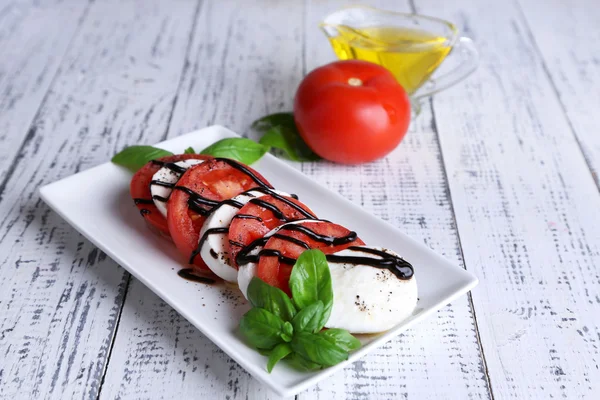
(115, 227)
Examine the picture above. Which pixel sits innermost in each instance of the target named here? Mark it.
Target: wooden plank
(526, 208)
(568, 37)
(244, 62)
(31, 57)
(61, 297)
(408, 188)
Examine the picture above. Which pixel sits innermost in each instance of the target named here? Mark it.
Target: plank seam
(413, 8)
(114, 335)
(563, 108)
(186, 65)
(32, 126)
(460, 247)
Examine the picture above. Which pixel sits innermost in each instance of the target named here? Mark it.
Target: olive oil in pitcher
(411, 55)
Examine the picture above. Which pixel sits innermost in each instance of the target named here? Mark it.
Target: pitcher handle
(469, 60)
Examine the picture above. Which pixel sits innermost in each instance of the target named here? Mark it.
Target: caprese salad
(229, 222)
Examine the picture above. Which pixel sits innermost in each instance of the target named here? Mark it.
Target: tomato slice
(286, 244)
(139, 189)
(198, 191)
(253, 221)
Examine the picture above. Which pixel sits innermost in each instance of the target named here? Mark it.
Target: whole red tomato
(351, 111)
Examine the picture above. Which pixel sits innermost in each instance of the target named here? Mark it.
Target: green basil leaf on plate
(272, 299)
(342, 338)
(309, 318)
(264, 352)
(301, 364)
(261, 328)
(279, 352)
(288, 328)
(288, 139)
(189, 150)
(288, 332)
(311, 281)
(317, 349)
(135, 157)
(241, 149)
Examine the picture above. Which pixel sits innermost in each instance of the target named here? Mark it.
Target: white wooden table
(499, 174)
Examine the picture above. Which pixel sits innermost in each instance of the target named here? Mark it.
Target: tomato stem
(355, 82)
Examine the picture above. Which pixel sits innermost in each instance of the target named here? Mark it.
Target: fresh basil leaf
(288, 328)
(241, 149)
(135, 157)
(317, 349)
(302, 364)
(309, 318)
(286, 338)
(342, 338)
(261, 328)
(264, 352)
(271, 299)
(311, 281)
(189, 150)
(285, 119)
(280, 351)
(289, 140)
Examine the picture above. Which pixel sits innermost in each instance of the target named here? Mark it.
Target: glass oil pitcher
(410, 46)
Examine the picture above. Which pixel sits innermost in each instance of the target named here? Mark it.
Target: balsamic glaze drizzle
(203, 239)
(330, 240)
(271, 207)
(143, 201)
(195, 201)
(172, 166)
(283, 199)
(245, 257)
(395, 264)
(160, 198)
(143, 211)
(188, 273)
(161, 183)
(234, 243)
(401, 268)
(204, 206)
(291, 240)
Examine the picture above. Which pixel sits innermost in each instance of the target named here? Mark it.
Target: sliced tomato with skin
(214, 181)
(276, 273)
(254, 221)
(139, 189)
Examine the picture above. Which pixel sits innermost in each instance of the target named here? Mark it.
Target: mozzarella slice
(214, 243)
(248, 271)
(368, 299)
(167, 178)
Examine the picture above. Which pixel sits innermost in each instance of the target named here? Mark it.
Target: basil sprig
(279, 131)
(281, 328)
(310, 281)
(135, 157)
